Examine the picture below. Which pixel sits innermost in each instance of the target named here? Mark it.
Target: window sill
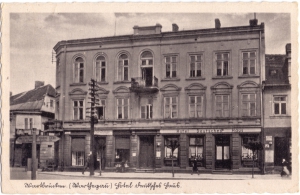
(194, 78)
(170, 79)
(248, 76)
(122, 82)
(222, 77)
(78, 84)
(102, 83)
(280, 116)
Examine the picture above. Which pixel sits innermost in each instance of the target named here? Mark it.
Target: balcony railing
(140, 85)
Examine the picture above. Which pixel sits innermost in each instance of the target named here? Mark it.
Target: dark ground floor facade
(212, 149)
(278, 146)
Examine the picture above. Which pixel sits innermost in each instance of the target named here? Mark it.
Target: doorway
(222, 152)
(280, 150)
(146, 157)
(147, 76)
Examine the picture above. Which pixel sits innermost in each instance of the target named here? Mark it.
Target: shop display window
(78, 158)
(122, 155)
(247, 154)
(169, 142)
(196, 149)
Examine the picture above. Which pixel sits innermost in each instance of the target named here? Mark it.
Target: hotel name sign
(212, 131)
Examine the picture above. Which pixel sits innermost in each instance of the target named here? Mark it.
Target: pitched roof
(32, 99)
(275, 73)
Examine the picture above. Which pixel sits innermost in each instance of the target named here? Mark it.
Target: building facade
(277, 110)
(28, 110)
(200, 88)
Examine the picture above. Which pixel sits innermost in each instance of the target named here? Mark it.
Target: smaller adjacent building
(277, 110)
(28, 110)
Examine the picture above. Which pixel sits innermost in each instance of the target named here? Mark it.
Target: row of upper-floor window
(222, 63)
(249, 106)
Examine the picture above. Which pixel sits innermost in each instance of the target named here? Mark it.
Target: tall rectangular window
(26, 123)
(170, 105)
(222, 62)
(279, 105)
(249, 62)
(30, 123)
(171, 66)
(123, 67)
(77, 148)
(78, 109)
(100, 68)
(79, 70)
(196, 106)
(123, 108)
(146, 111)
(101, 109)
(222, 106)
(196, 65)
(248, 104)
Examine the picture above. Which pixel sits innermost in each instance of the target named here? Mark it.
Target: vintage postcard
(149, 98)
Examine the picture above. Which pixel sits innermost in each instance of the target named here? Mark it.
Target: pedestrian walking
(87, 162)
(285, 170)
(195, 168)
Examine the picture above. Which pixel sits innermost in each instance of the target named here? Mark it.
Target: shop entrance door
(222, 152)
(146, 158)
(281, 150)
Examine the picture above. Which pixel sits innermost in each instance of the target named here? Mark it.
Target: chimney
(175, 27)
(217, 23)
(10, 93)
(253, 22)
(136, 30)
(39, 84)
(158, 28)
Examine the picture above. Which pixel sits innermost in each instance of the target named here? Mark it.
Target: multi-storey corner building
(277, 110)
(199, 87)
(28, 110)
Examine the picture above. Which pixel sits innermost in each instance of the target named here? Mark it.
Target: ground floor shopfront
(278, 146)
(213, 149)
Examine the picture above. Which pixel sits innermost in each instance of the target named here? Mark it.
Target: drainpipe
(64, 107)
(262, 102)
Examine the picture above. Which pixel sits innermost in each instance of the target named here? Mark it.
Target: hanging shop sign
(207, 131)
(103, 132)
(41, 138)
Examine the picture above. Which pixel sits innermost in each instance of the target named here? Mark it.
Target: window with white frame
(168, 145)
(170, 107)
(78, 107)
(147, 58)
(101, 109)
(171, 66)
(79, 70)
(196, 61)
(123, 108)
(249, 62)
(279, 105)
(147, 110)
(195, 106)
(123, 67)
(100, 68)
(28, 123)
(247, 154)
(222, 63)
(222, 105)
(196, 148)
(78, 158)
(249, 104)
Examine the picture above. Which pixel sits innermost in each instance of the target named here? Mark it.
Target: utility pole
(33, 168)
(92, 92)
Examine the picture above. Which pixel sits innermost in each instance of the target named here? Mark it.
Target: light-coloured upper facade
(209, 74)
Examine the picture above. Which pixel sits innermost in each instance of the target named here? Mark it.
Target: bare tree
(254, 146)
(173, 144)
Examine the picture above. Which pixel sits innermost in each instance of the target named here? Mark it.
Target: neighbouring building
(201, 88)
(277, 110)
(28, 110)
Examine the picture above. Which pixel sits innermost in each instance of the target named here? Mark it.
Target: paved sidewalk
(165, 176)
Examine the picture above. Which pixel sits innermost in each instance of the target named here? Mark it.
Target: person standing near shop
(285, 170)
(87, 162)
(195, 167)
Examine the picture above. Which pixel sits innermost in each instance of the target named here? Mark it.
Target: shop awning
(122, 143)
(78, 144)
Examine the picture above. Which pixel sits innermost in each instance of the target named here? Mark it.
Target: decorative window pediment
(248, 84)
(195, 87)
(102, 91)
(221, 85)
(170, 87)
(78, 91)
(121, 89)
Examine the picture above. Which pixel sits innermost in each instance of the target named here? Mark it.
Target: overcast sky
(33, 36)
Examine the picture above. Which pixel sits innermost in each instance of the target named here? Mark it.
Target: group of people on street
(285, 166)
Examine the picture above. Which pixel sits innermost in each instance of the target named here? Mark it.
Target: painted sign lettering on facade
(205, 131)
